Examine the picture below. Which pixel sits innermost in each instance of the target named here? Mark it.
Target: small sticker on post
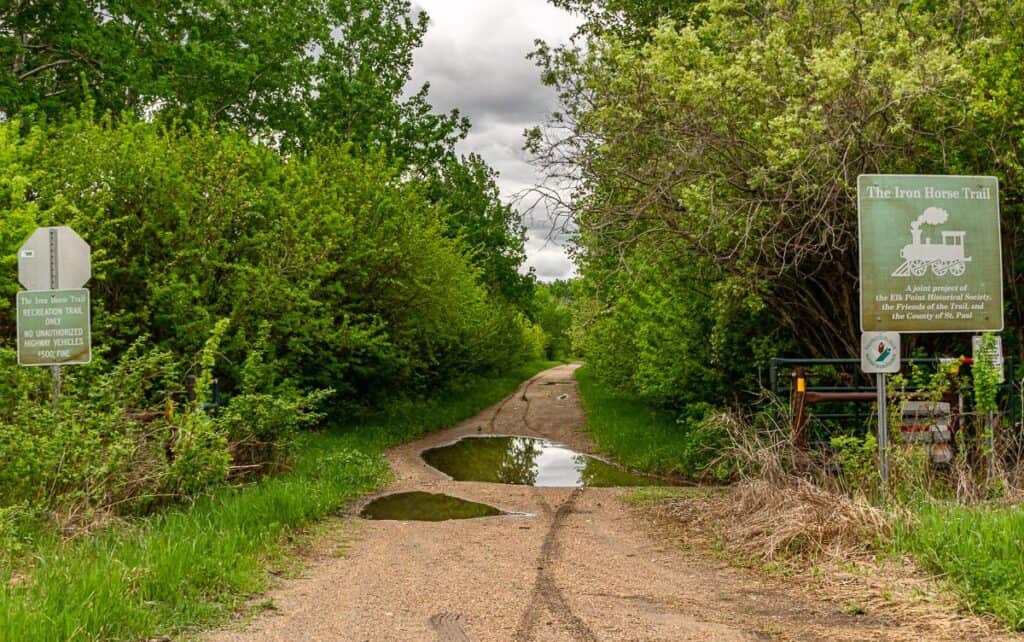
(28, 254)
(880, 352)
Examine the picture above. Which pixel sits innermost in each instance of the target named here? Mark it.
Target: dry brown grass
(768, 520)
(788, 513)
(783, 505)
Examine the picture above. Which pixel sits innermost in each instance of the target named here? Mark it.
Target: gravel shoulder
(574, 564)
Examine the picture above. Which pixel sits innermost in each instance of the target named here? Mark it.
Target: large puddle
(425, 507)
(530, 462)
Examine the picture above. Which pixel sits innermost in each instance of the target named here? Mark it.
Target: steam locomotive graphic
(942, 258)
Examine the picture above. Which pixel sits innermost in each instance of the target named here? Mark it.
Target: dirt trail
(581, 566)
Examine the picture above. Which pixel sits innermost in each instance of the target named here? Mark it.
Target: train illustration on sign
(942, 258)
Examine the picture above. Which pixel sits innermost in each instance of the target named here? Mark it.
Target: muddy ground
(578, 565)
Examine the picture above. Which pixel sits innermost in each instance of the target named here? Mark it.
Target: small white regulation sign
(995, 356)
(880, 352)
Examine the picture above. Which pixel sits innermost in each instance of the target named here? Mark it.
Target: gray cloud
(474, 57)
(548, 262)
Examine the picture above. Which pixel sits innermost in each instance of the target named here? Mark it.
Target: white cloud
(474, 57)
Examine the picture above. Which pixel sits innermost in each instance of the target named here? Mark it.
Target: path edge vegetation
(972, 550)
(650, 438)
(191, 567)
(715, 148)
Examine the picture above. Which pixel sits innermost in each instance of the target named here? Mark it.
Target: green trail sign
(930, 253)
(53, 327)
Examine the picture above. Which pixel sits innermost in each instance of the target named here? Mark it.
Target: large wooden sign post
(53, 312)
(930, 261)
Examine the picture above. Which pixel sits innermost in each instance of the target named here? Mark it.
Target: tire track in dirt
(501, 407)
(526, 408)
(448, 627)
(546, 592)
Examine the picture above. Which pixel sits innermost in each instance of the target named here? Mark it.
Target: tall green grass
(190, 566)
(978, 549)
(644, 437)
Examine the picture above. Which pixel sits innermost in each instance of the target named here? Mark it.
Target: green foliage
(491, 231)
(81, 452)
(728, 135)
(858, 460)
(95, 451)
(200, 457)
(263, 420)
(986, 376)
(349, 264)
(552, 310)
(198, 564)
(292, 71)
(977, 549)
(667, 335)
(651, 439)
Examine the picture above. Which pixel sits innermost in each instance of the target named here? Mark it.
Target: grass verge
(641, 437)
(978, 549)
(189, 567)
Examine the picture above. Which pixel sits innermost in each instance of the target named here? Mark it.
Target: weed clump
(768, 521)
(782, 506)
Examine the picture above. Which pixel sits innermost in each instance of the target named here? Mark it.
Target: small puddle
(530, 462)
(425, 507)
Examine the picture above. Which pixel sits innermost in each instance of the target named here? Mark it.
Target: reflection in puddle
(528, 461)
(425, 507)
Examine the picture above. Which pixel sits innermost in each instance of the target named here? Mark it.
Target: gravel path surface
(581, 565)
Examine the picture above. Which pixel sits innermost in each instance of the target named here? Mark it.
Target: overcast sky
(474, 57)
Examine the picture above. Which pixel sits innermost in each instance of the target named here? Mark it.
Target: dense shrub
(346, 261)
(297, 285)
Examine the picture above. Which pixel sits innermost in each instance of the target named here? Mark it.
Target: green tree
(552, 309)
(291, 72)
(626, 18)
(492, 231)
(352, 265)
(731, 138)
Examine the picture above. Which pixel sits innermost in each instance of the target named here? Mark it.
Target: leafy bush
(350, 265)
(857, 459)
(298, 280)
(109, 444)
(650, 438)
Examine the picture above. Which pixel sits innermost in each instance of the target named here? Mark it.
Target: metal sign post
(51, 258)
(994, 357)
(879, 355)
(883, 430)
(54, 285)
